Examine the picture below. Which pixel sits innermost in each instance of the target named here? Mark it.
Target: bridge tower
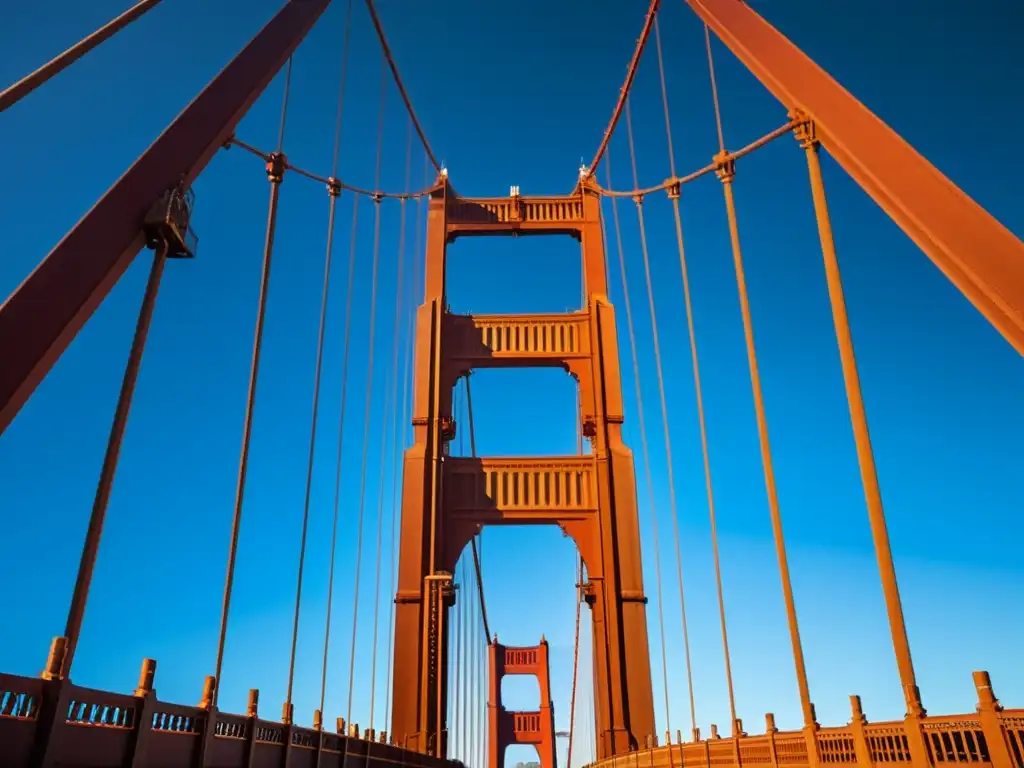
(446, 500)
(505, 728)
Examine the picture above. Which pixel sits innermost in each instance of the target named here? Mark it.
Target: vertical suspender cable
(275, 174)
(101, 501)
(344, 365)
(369, 395)
(462, 710)
(353, 247)
(693, 342)
(401, 435)
(480, 655)
(468, 678)
(579, 558)
(862, 440)
(726, 172)
(455, 648)
(463, 638)
(575, 656)
(390, 404)
(334, 190)
(640, 419)
(477, 553)
(727, 185)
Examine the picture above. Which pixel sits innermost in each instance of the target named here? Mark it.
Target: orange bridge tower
(592, 497)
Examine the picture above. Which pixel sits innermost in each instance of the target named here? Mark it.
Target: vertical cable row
(275, 175)
(648, 477)
(369, 395)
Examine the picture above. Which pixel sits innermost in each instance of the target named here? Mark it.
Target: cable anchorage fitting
(333, 186)
(674, 188)
(638, 198)
(277, 163)
(377, 197)
(804, 131)
(169, 221)
(725, 167)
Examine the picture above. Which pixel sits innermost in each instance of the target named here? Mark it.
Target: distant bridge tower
(505, 728)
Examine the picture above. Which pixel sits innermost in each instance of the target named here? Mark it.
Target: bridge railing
(54, 722)
(991, 737)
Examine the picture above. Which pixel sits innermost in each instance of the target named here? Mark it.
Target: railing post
(209, 729)
(318, 726)
(56, 696)
(340, 728)
(707, 745)
(145, 697)
(287, 719)
(991, 725)
(860, 738)
(810, 730)
(252, 711)
(770, 729)
(919, 757)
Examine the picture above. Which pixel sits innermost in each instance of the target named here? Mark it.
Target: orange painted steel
(45, 313)
(989, 736)
(592, 498)
(979, 255)
(506, 727)
(47, 721)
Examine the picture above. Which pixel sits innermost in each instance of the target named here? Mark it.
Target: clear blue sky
(518, 94)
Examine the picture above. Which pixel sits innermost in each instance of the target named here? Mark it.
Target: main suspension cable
(19, 90)
(369, 399)
(346, 332)
(643, 428)
(674, 182)
(341, 183)
(275, 174)
(386, 49)
(391, 404)
(634, 62)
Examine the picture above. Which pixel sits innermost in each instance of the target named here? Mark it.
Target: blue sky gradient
(519, 94)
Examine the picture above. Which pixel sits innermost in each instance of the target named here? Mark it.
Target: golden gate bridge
(446, 500)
